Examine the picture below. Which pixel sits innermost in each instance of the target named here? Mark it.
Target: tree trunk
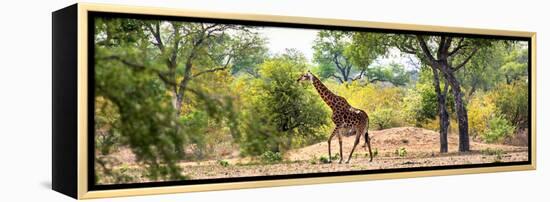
(462, 114)
(443, 114)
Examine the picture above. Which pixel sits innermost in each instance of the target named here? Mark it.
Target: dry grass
(421, 145)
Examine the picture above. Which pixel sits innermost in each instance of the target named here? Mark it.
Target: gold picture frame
(77, 185)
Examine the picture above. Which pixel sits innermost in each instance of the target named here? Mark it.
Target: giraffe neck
(324, 92)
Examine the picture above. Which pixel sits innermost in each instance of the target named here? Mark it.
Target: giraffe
(345, 117)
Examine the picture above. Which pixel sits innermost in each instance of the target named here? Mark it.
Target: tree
(393, 73)
(445, 55)
(281, 114)
(180, 52)
(156, 62)
(365, 48)
(330, 49)
(515, 63)
(448, 55)
(143, 123)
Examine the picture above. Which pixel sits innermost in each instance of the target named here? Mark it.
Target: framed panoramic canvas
(154, 100)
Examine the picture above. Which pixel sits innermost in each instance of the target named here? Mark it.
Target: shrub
(512, 100)
(223, 163)
(324, 159)
(280, 114)
(335, 156)
(271, 157)
(383, 118)
(401, 152)
(375, 152)
(499, 128)
(489, 151)
(480, 110)
(381, 102)
(420, 105)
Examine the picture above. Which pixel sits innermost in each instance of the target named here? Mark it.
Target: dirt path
(212, 170)
(421, 146)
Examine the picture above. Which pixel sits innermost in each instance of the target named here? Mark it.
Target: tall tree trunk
(182, 86)
(462, 114)
(443, 114)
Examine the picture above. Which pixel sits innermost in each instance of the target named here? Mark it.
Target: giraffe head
(308, 76)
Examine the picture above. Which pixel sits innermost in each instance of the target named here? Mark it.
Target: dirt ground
(421, 146)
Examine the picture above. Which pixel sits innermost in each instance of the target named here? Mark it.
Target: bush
(382, 103)
(223, 163)
(383, 118)
(335, 157)
(420, 105)
(480, 110)
(279, 113)
(499, 129)
(489, 151)
(324, 159)
(401, 152)
(512, 100)
(271, 157)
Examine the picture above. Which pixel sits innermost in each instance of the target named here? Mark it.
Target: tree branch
(360, 75)
(156, 34)
(140, 67)
(337, 77)
(458, 47)
(123, 61)
(465, 60)
(426, 50)
(209, 70)
(441, 47)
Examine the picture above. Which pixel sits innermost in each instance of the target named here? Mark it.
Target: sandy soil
(421, 145)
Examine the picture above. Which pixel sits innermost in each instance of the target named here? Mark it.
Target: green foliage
(223, 163)
(401, 152)
(490, 151)
(107, 119)
(146, 121)
(493, 152)
(383, 104)
(480, 111)
(499, 128)
(367, 47)
(324, 159)
(235, 95)
(335, 157)
(421, 104)
(137, 64)
(383, 118)
(329, 52)
(512, 100)
(281, 114)
(393, 73)
(515, 64)
(271, 157)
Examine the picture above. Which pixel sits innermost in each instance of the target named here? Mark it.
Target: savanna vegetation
(176, 92)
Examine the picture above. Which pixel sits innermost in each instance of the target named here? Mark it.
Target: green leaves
(329, 52)
(281, 114)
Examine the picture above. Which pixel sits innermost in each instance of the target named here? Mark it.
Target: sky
(280, 39)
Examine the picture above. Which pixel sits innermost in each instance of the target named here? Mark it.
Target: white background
(25, 102)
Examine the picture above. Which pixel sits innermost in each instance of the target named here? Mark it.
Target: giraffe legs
(357, 138)
(367, 142)
(329, 140)
(340, 142)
